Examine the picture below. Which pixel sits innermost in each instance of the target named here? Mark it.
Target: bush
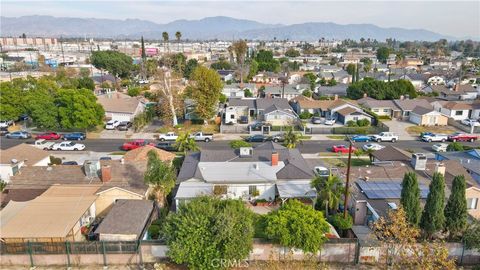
(455, 146)
(154, 231)
(55, 160)
(305, 115)
(133, 91)
(341, 223)
(222, 98)
(363, 122)
(238, 143)
(307, 93)
(352, 123)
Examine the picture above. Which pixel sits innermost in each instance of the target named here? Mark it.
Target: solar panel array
(386, 190)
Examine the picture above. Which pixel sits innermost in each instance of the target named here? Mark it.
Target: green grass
(118, 153)
(356, 162)
(342, 162)
(336, 137)
(305, 137)
(259, 224)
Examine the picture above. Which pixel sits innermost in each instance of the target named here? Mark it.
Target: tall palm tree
(292, 138)
(178, 35)
(185, 143)
(329, 191)
(165, 39)
(160, 176)
(240, 48)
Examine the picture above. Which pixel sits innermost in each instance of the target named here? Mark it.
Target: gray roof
(421, 110)
(249, 102)
(410, 104)
(126, 217)
(265, 103)
(374, 103)
(469, 159)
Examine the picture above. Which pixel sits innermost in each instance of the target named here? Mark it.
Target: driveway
(400, 128)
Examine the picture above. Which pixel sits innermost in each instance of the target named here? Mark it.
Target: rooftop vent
(419, 161)
(246, 151)
(91, 168)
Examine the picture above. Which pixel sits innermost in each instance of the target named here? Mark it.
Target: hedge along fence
(360, 130)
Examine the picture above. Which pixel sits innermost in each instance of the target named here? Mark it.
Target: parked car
(201, 136)
(23, 117)
(3, 131)
(70, 163)
(361, 138)
(316, 120)
(18, 135)
(258, 126)
(277, 138)
(342, 149)
(68, 146)
(112, 124)
(76, 136)
(330, 121)
(125, 125)
(169, 136)
(143, 81)
(49, 136)
(385, 137)
(440, 147)
(431, 137)
(167, 146)
(135, 144)
(372, 146)
(462, 137)
(426, 134)
(321, 171)
(470, 122)
(105, 158)
(43, 144)
(256, 138)
(5, 123)
(243, 119)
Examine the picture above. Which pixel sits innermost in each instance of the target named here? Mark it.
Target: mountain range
(223, 28)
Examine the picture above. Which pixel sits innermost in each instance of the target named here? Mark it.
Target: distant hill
(206, 28)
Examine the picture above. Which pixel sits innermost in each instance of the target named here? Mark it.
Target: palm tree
(178, 35)
(160, 176)
(292, 138)
(185, 143)
(329, 191)
(165, 39)
(240, 48)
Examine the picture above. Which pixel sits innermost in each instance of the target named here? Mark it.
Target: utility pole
(347, 184)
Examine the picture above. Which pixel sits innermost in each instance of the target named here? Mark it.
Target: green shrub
(305, 115)
(363, 123)
(55, 160)
(133, 91)
(238, 143)
(352, 123)
(341, 223)
(455, 146)
(222, 98)
(154, 231)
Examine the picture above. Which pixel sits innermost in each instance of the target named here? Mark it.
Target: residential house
(14, 158)
(234, 90)
(267, 171)
(267, 78)
(330, 69)
(341, 76)
(436, 80)
(453, 109)
(469, 159)
(417, 80)
(121, 107)
(100, 79)
(458, 92)
(288, 91)
(226, 75)
(391, 153)
(427, 117)
(380, 107)
(275, 111)
(407, 105)
(55, 216)
(441, 63)
(126, 221)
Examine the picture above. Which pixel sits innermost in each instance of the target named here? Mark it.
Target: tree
(291, 52)
(209, 229)
(191, 65)
(144, 53)
(205, 90)
(178, 36)
(312, 79)
(117, 63)
(253, 69)
(11, 100)
(297, 225)
(382, 54)
(341, 223)
(291, 138)
(133, 91)
(266, 62)
(170, 94)
(240, 48)
(185, 143)
(350, 69)
(78, 109)
(433, 218)
(86, 82)
(455, 146)
(160, 176)
(329, 192)
(381, 90)
(456, 208)
(398, 236)
(472, 236)
(410, 198)
(165, 40)
(221, 65)
(247, 93)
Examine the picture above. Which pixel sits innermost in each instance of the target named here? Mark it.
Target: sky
(453, 18)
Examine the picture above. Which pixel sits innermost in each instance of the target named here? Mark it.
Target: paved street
(307, 147)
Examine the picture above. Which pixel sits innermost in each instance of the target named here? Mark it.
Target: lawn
(209, 128)
(342, 162)
(416, 130)
(336, 137)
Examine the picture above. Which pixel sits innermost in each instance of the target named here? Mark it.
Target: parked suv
(385, 137)
(125, 125)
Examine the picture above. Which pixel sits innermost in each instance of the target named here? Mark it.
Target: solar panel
(386, 190)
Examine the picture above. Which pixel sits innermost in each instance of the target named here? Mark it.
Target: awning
(296, 189)
(188, 190)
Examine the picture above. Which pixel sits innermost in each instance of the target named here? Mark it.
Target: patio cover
(296, 189)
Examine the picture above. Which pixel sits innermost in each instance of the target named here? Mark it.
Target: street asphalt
(306, 147)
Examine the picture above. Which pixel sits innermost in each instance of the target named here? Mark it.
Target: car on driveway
(43, 144)
(18, 135)
(361, 138)
(470, 122)
(3, 131)
(258, 126)
(169, 136)
(316, 120)
(135, 144)
(277, 138)
(76, 136)
(321, 171)
(257, 138)
(49, 136)
(68, 146)
(330, 121)
(342, 149)
(462, 137)
(372, 146)
(431, 137)
(6, 123)
(440, 147)
(112, 124)
(125, 125)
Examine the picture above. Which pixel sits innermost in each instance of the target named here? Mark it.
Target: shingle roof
(421, 110)
(141, 154)
(374, 103)
(126, 217)
(410, 104)
(118, 102)
(346, 111)
(391, 153)
(453, 105)
(23, 152)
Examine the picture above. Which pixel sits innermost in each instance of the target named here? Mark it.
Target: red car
(462, 137)
(49, 136)
(342, 149)
(135, 144)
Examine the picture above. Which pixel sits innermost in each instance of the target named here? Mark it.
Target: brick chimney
(440, 168)
(106, 173)
(274, 159)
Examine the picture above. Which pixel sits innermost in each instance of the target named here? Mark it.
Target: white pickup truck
(43, 144)
(169, 136)
(385, 137)
(435, 138)
(200, 136)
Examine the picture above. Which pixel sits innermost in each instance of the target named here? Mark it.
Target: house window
(407, 113)
(472, 203)
(252, 191)
(375, 110)
(385, 110)
(232, 116)
(355, 118)
(458, 112)
(15, 170)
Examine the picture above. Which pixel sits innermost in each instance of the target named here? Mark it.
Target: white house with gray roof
(267, 171)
